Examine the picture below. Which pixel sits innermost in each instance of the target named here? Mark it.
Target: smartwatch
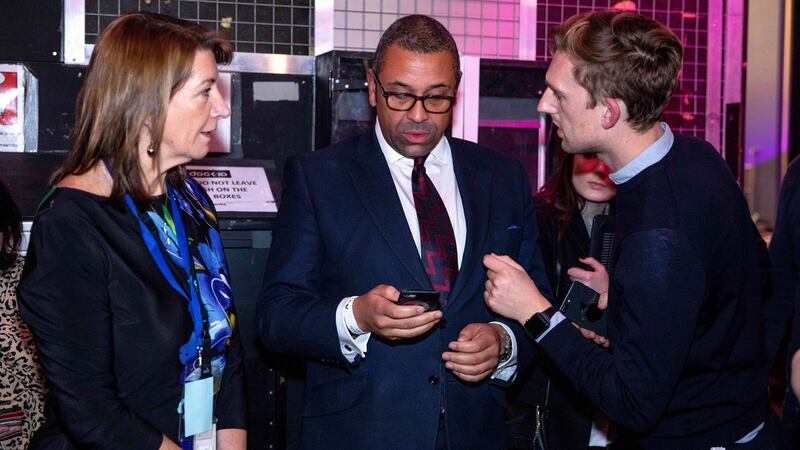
(539, 323)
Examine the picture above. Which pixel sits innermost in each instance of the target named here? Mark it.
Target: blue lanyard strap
(196, 308)
(198, 313)
(155, 250)
(200, 340)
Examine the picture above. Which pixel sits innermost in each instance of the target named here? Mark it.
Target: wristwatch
(505, 354)
(539, 323)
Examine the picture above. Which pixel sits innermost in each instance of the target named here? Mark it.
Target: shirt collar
(651, 155)
(441, 152)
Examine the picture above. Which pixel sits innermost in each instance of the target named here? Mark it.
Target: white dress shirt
(439, 167)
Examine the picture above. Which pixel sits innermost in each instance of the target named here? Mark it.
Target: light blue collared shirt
(649, 156)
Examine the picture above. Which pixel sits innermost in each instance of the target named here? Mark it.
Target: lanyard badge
(198, 406)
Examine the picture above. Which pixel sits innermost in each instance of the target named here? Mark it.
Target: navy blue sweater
(784, 250)
(687, 366)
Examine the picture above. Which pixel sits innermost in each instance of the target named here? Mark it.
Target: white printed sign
(236, 189)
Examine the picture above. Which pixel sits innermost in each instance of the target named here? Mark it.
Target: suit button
(433, 379)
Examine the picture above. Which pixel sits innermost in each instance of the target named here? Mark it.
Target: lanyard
(200, 341)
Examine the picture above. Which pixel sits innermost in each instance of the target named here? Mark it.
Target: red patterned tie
(437, 240)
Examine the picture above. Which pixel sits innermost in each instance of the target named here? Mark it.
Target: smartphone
(580, 306)
(427, 299)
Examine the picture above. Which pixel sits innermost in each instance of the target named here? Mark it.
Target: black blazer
(109, 327)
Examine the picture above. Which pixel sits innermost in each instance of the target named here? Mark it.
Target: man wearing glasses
(401, 208)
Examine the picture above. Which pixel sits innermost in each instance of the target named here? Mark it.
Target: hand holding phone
(581, 307)
(378, 311)
(425, 298)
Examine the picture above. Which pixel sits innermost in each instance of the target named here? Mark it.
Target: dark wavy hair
(558, 194)
(10, 227)
(419, 34)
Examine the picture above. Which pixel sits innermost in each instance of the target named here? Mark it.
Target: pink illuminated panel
(489, 29)
(687, 18)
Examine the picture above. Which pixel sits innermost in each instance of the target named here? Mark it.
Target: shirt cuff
(507, 370)
(554, 321)
(352, 346)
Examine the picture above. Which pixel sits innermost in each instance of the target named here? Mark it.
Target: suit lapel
(475, 188)
(375, 187)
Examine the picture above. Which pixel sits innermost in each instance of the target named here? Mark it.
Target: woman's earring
(151, 152)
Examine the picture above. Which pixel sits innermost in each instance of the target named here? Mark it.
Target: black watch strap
(539, 323)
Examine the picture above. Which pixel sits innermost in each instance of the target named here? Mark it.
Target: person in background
(401, 207)
(542, 398)
(782, 306)
(126, 287)
(686, 366)
(22, 388)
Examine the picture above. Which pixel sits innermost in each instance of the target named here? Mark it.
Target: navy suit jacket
(340, 232)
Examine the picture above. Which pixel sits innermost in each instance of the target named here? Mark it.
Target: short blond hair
(623, 55)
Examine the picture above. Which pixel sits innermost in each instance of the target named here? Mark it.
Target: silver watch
(505, 354)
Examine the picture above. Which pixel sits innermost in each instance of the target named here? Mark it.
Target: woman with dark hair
(10, 229)
(544, 404)
(126, 286)
(578, 190)
(21, 386)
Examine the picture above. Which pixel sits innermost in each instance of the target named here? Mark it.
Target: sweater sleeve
(64, 299)
(783, 250)
(661, 281)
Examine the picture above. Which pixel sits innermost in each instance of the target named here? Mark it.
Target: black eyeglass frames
(401, 101)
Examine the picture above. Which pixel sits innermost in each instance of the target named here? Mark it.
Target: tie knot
(419, 161)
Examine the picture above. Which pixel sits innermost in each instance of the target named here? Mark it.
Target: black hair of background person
(781, 319)
(10, 228)
(565, 415)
